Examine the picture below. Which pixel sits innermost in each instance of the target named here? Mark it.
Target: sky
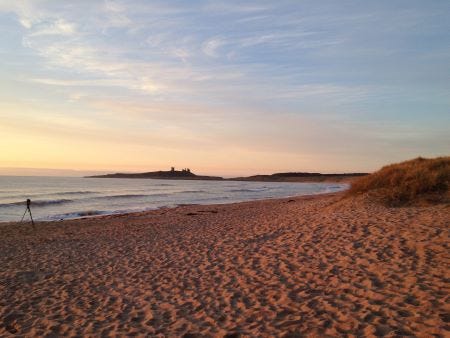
(223, 87)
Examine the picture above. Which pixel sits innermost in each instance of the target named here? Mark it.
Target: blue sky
(223, 87)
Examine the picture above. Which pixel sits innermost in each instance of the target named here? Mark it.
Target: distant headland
(172, 174)
(186, 174)
(300, 177)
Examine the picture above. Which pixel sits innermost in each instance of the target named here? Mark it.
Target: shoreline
(152, 212)
(316, 265)
(171, 207)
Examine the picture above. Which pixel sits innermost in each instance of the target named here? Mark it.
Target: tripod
(29, 211)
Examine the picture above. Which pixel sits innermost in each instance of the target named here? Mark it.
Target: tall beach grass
(415, 181)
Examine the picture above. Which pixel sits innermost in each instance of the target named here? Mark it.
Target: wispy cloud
(211, 47)
(115, 13)
(57, 27)
(262, 77)
(235, 7)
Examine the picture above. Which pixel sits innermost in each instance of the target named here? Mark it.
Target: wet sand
(305, 266)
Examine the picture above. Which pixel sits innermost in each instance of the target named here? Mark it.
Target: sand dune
(312, 266)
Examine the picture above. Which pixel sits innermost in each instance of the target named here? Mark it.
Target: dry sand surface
(306, 266)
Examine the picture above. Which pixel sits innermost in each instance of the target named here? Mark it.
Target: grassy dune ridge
(415, 181)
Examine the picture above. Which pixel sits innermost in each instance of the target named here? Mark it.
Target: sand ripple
(303, 266)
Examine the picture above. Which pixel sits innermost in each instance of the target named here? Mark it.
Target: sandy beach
(305, 266)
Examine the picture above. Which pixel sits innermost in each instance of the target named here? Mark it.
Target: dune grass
(415, 181)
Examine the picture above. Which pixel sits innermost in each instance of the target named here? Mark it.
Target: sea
(58, 198)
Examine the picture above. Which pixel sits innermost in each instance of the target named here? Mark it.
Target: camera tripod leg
(31, 216)
(23, 215)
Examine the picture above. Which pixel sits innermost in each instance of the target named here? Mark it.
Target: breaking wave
(192, 192)
(75, 193)
(38, 202)
(131, 196)
(78, 214)
(248, 190)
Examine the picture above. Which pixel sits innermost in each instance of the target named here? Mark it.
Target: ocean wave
(248, 190)
(77, 214)
(38, 202)
(75, 193)
(192, 192)
(343, 186)
(50, 202)
(212, 199)
(128, 196)
(124, 196)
